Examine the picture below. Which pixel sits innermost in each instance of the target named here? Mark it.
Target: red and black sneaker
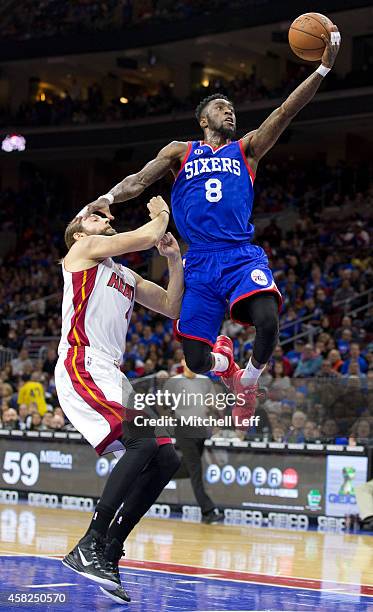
(247, 400)
(224, 346)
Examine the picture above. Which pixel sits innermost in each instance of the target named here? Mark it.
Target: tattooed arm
(258, 142)
(169, 158)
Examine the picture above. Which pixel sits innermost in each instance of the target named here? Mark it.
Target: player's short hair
(202, 105)
(74, 226)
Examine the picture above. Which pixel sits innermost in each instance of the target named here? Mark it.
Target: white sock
(221, 362)
(251, 374)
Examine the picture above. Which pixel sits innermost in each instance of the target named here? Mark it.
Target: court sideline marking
(226, 575)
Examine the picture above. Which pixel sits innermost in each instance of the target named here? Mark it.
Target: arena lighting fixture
(123, 100)
(13, 142)
(205, 83)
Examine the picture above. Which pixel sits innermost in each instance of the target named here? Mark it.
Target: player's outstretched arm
(153, 296)
(97, 247)
(258, 142)
(134, 184)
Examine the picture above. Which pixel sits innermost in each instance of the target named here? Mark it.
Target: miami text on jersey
(118, 283)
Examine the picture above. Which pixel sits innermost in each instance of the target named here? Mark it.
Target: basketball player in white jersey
(98, 300)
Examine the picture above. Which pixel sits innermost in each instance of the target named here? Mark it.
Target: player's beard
(228, 132)
(108, 231)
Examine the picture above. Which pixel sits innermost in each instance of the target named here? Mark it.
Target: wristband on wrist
(166, 211)
(83, 212)
(323, 70)
(109, 196)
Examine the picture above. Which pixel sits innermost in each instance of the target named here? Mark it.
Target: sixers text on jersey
(222, 164)
(212, 197)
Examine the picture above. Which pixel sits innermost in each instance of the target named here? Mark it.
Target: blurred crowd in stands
(319, 383)
(60, 18)
(78, 108)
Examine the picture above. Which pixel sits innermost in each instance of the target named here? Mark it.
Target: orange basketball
(305, 35)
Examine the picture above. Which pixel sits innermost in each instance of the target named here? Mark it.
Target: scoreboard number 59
(17, 467)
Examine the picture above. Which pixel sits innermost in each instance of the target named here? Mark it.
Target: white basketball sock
(221, 362)
(251, 374)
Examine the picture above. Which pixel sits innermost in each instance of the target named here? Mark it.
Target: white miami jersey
(96, 308)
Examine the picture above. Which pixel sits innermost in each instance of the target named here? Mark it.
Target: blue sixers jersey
(212, 197)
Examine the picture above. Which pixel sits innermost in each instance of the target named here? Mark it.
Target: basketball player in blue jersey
(212, 200)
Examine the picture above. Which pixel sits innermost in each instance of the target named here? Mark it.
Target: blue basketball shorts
(216, 279)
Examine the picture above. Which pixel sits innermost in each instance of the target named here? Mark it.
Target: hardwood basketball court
(174, 565)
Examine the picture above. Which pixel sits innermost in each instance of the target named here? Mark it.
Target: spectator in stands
(316, 282)
(149, 367)
(32, 391)
(323, 303)
(310, 312)
(178, 365)
(6, 375)
(355, 379)
(346, 323)
(345, 292)
(280, 381)
(329, 430)
(24, 417)
(50, 361)
(57, 422)
(6, 392)
(278, 356)
(36, 424)
(361, 431)
(335, 360)
(355, 356)
(129, 367)
(58, 410)
(311, 431)
(20, 363)
(278, 433)
(344, 343)
(296, 433)
(291, 326)
(327, 370)
(47, 422)
(309, 363)
(10, 419)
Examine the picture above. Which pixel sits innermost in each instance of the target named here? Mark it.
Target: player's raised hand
(332, 45)
(102, 205)
(168, 246)
(156, 205)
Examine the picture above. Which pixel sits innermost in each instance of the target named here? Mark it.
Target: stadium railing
(344, 306)
(6, 355)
